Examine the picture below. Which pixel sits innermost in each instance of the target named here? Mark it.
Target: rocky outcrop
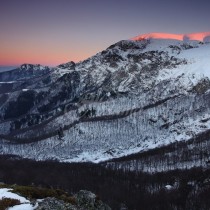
(55, 204)
(84, 200)
(70, 65)
(88, 200)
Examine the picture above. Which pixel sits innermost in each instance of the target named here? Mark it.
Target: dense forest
(173, 190)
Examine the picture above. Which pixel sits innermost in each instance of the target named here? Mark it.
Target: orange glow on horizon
(158, 36)
(195, 36)
(14, 54)
(19, 61)
(12, 59)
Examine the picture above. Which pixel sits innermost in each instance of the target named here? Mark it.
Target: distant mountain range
(147, 97)
(6, 68)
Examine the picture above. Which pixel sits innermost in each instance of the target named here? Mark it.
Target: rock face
(54, 204)
(85, 200)
(88, 200)
(132, 97)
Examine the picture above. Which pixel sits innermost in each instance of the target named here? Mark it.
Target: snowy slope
(139, 95)
(198, 63)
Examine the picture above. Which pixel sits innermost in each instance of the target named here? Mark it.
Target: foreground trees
(190, 189)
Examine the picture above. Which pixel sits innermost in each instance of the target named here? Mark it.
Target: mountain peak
(202, 36)
(27, 66)
(69, 65)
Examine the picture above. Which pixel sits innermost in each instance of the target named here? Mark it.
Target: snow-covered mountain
(135, 96)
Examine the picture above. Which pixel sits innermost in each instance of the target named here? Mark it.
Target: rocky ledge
(83, 200)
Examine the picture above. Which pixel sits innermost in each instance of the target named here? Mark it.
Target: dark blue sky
(55, 31)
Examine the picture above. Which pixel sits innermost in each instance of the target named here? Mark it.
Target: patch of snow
(169, 187)
(10, 82)
(5, 192)
(25, 204)
(197, 68)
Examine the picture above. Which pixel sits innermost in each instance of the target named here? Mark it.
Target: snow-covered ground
(25, 204)
(198, 67)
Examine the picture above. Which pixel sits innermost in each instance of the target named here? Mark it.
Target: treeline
(178, 155)
(190, 189)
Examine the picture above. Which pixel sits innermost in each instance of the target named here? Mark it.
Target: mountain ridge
(167, 81)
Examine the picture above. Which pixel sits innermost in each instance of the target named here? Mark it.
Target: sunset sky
(51, 32)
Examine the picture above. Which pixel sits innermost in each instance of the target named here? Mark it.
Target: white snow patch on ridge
(198, 67)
